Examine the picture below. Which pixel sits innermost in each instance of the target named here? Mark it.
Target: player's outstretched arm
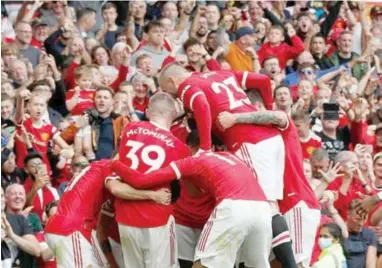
(276, 118)
(143, 181)
(261, 82)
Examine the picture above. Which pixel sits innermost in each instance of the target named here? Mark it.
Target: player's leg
(99, 256)
(162, 251)
(267, 159)
(222, 235)
(281, 242)
(117, 252)
(257, 245)
(303, 223)
(87, 143)
(187, 239)
(133, 246)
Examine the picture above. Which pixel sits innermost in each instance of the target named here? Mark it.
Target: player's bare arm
(276, 118)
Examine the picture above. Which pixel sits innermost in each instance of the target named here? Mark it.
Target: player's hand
(226, 120)
(332, 173)
(162, 196)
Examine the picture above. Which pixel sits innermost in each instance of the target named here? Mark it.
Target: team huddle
(169, 198)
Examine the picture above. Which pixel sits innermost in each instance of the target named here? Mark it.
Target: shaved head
(171, 77)
(162, 105)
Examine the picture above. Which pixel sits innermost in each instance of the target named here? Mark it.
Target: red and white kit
(147, 229)
(69, 231)
(260, 147)
(241, 218)
(310, 144)
(40, 136)
(191, 211)
(300, 207)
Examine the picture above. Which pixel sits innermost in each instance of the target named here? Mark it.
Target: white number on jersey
(154, 163)
(76, 179)
(229, 85)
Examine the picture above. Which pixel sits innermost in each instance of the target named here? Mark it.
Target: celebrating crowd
(219, 134)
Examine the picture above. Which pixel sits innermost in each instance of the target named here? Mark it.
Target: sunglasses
(307, 72)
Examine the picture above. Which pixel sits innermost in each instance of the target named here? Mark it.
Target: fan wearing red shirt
(78, 100)
(70, 233)
(40, 134)
(350, 184)
(308, 139)
(241, 218)
(278, 48)
(149, 228)
(299, 207)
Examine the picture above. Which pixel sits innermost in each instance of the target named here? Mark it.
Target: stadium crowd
(162, 134)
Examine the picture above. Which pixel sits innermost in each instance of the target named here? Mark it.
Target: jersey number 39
(151, 155)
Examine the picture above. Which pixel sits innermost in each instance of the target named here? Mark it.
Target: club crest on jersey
(44, 136)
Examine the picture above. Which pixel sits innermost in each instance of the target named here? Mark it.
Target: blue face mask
(324, 242)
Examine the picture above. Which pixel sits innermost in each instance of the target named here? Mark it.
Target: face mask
(325, 242)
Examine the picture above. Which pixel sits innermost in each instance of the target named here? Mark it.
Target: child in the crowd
(41, 133)
(78, 101)
(277, 47)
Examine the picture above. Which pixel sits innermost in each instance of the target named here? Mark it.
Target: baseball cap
(38, 22)
(243, 31)
(377, 10)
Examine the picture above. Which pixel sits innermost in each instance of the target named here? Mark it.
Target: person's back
(147, 147)
(224, 92)
(82, 200)
(217, 173)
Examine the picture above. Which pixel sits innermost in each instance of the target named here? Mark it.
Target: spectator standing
(23, 40)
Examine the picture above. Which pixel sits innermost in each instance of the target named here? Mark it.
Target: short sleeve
(26, 226)
(370, 237)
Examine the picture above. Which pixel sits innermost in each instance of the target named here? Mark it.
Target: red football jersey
(296, 186)
(208, 94)
(40, 138)
(42, 198)
(146, 147)
(82, 201)
(190, 211)
(310, 144)
(85, 101)
(221, 174)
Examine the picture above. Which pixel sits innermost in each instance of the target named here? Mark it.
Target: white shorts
(117, 252)
(72, 251)
(187, 239)
(303, 223)
(267, 160)
(83, 132)
(149, 247)
(236, 224)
